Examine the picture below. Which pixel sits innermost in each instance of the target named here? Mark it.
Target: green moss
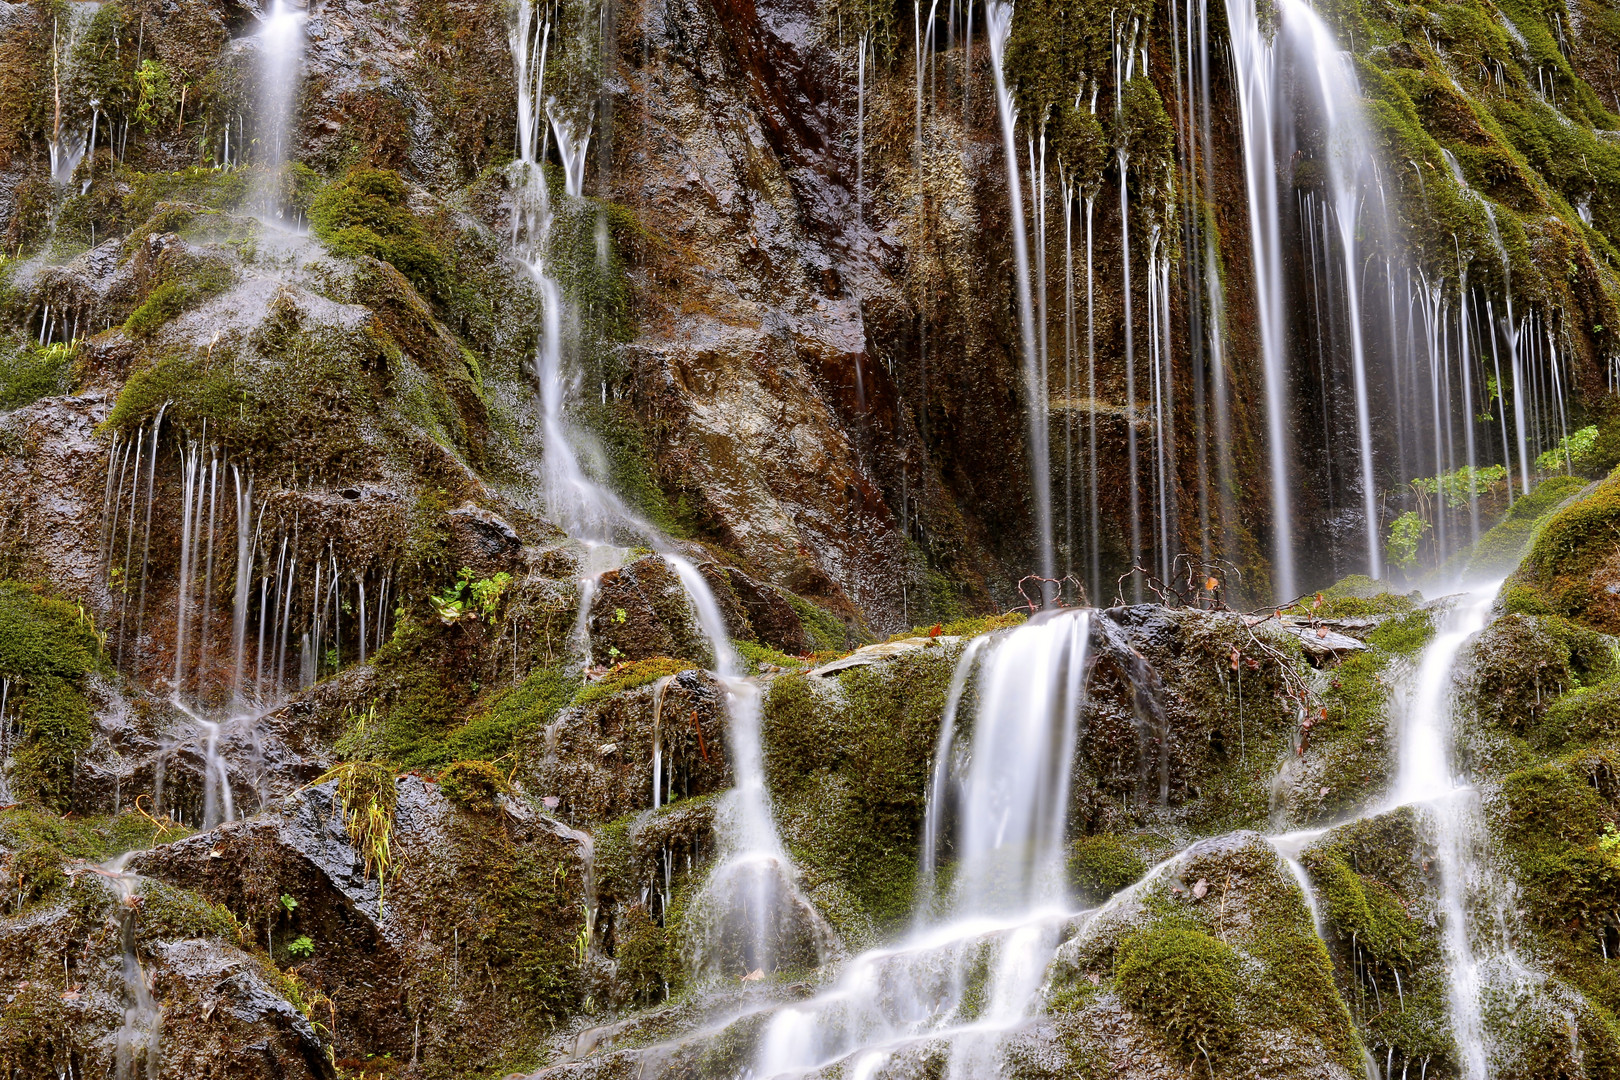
(1503, 545)
(301, 409)
(32, 372)
(511, 715)
(168, 913)
(366, 214)
(631, 469)
(968, 627)
(1522, 663)
(1550, 818)
(630, 676)
(827, 631)
(848, 765)
(645, 954)
(1102, 864)
(1351, 735)
(216, 189)
(47, 647)
(1581, 716)
(473, 785)
(181, 287)
(1568, 553)
(42, 844)
(754, 655)
(1185, 982)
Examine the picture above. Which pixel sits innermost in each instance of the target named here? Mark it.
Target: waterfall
(280, 48)
(1003, 800)
(1348, 160)
(70, 137)
(999, 19)
(1426, 776)
(1255, 65)
(137, 1046)
(752, 891)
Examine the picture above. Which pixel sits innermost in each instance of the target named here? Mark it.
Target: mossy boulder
(474, 785)
(640, 611)
(1217, 966)
(1573, 567)
(1517, 669)
(366, 213)
(847, 759)
(594, 760)
(1504, 544)
(467, 960)
(1379, 921)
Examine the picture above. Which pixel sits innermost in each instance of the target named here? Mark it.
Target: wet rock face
(641, 611)
(471, 902)
(770, 616)
(71, 1004)
(1212, 963)
(595, 760)
(52, 484)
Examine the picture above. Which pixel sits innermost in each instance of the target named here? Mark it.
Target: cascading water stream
(280, 50)
(1000, 795)
(1348, 159)
(138, 1054)
(999, 18)
(752, 890)
(1427, 778)
(1254, 63)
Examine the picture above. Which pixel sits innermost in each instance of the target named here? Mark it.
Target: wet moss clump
(41, 846)
(969, 627)
(47, 649)
(474, 785)
(299, 405)
(366, 214)
(511, 715)
(1523, 664)
(630, 675)
(1582, 716)
(1552, 819)
(1504, 544)
(848, 763)
(182, 284)
(830, 634)
(1370, 883)
(1102, 864)
(1350, 736)
(1186, 983)
(32, 372)
(1571, 562)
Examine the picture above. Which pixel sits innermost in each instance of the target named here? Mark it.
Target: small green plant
(1609, 844)
(469, 599)
(1460, 486)
(1572, 452)
(1405, 533)
(301, 946)
(288, 903)
(582, 941)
